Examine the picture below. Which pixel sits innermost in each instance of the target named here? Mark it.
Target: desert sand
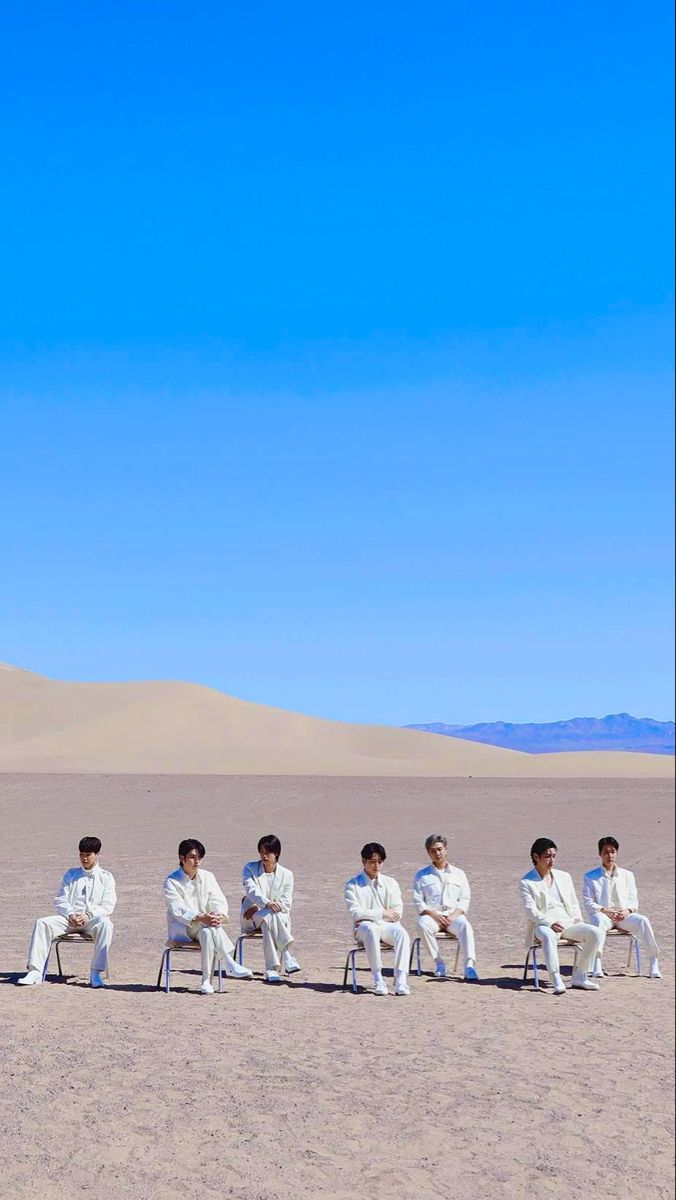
(304, 1091)
(183, 728)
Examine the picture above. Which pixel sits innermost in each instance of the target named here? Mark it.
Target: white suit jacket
(534, 895)
(103, 897)
(444, 891)
(366, 903)
(596, 890)
(281, 889)
(180, 905)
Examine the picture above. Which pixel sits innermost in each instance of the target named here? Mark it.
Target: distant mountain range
(619, 731)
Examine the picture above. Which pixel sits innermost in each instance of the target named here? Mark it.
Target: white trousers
(589, 937)
(460, 927)
(276, 929)
(634, 923)
(214, 943)
(46, 929)
(391, 933)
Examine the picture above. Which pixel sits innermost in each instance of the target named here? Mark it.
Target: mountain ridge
(616, 731)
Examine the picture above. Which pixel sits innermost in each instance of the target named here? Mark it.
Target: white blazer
(596, 890)
(367, 903)
(281, 889)
(103, 897)
(443, 891)
(534, 897)
(180, 902)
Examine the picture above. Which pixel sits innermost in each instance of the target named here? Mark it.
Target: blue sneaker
(471, 975)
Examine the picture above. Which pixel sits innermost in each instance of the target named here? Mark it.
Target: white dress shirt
(443, 889)
(367, 899)
(83, 891)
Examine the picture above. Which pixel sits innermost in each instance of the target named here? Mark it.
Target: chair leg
(418, 958)
(411, 956)
(525, 968)
(347, 967)
(58, 960)
(354, 971)
(159, 974)
(457, 959)
(220, 975)
(167, 970)
(239, 950)
(637, 948)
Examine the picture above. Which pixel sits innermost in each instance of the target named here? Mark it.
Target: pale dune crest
(47, 725)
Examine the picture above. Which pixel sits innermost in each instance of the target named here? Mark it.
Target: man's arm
(355, 909)
(216, 901)
(285, 895)
(632, 894)
(62, 903)
(464, 897)
(528, 900)
(573, 901)
(252, 889)
(108, 900)
(176, 904)
(588, 896)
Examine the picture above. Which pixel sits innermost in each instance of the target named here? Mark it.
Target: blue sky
(336, 355)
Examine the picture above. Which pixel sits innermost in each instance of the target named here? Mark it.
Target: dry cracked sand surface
(301, 1091)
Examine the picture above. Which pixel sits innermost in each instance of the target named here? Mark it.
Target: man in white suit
(197, 911)
(611, 901)
(268, 895)
(441, 894)
(84, 905)
(553, 912)
(375, 907)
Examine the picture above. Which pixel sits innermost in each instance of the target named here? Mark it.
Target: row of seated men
(197, 911)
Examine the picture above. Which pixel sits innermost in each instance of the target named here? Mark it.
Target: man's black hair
(271, 843)
(608, 841)
(189, 844)
(540, 845)
(372, 848)
(89, 845)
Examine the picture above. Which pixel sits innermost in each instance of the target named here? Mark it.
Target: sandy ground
(302, 1091)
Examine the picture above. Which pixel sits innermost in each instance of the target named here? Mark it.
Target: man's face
(88, 859)
(608, 857)
(190, 862)
(545, 862)
(268, 859)
(438, 854)
(372, 865)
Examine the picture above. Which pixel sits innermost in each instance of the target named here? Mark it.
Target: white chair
(350, 964)
(71, 936)
(531, 954)
(253, 936)
(634, 945)
(174, 947)
(441, 936)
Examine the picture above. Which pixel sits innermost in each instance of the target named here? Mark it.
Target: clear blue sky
(336, 358)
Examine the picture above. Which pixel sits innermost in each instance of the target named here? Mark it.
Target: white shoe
(234, 971)
(32, 979)
(290, 964)
(585, 985)
(598, 971)
(559, 986)
(440, 969)
(272, 977)
(402, 989)
(207, 988)
(654, 972)
(380, 988)
(96, 979)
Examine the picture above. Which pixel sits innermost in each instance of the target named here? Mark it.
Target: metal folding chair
(350, 964)
(531, 954)
(174, 947)
(73, 936)
(254, 936)
(634, 946)
(441, 936)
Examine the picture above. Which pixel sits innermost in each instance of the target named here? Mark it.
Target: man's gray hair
(435, 837)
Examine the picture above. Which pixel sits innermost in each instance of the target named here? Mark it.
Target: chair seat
(72, 934)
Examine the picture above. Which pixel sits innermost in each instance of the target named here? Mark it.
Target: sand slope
(180, 728)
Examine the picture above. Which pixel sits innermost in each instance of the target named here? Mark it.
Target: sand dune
(48, 725)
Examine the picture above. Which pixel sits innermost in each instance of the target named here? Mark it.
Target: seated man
(268, 895)
(374, 904)
(197, 911)
(611, 901)
(553, 911)
(441, 894)
(83, 905)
